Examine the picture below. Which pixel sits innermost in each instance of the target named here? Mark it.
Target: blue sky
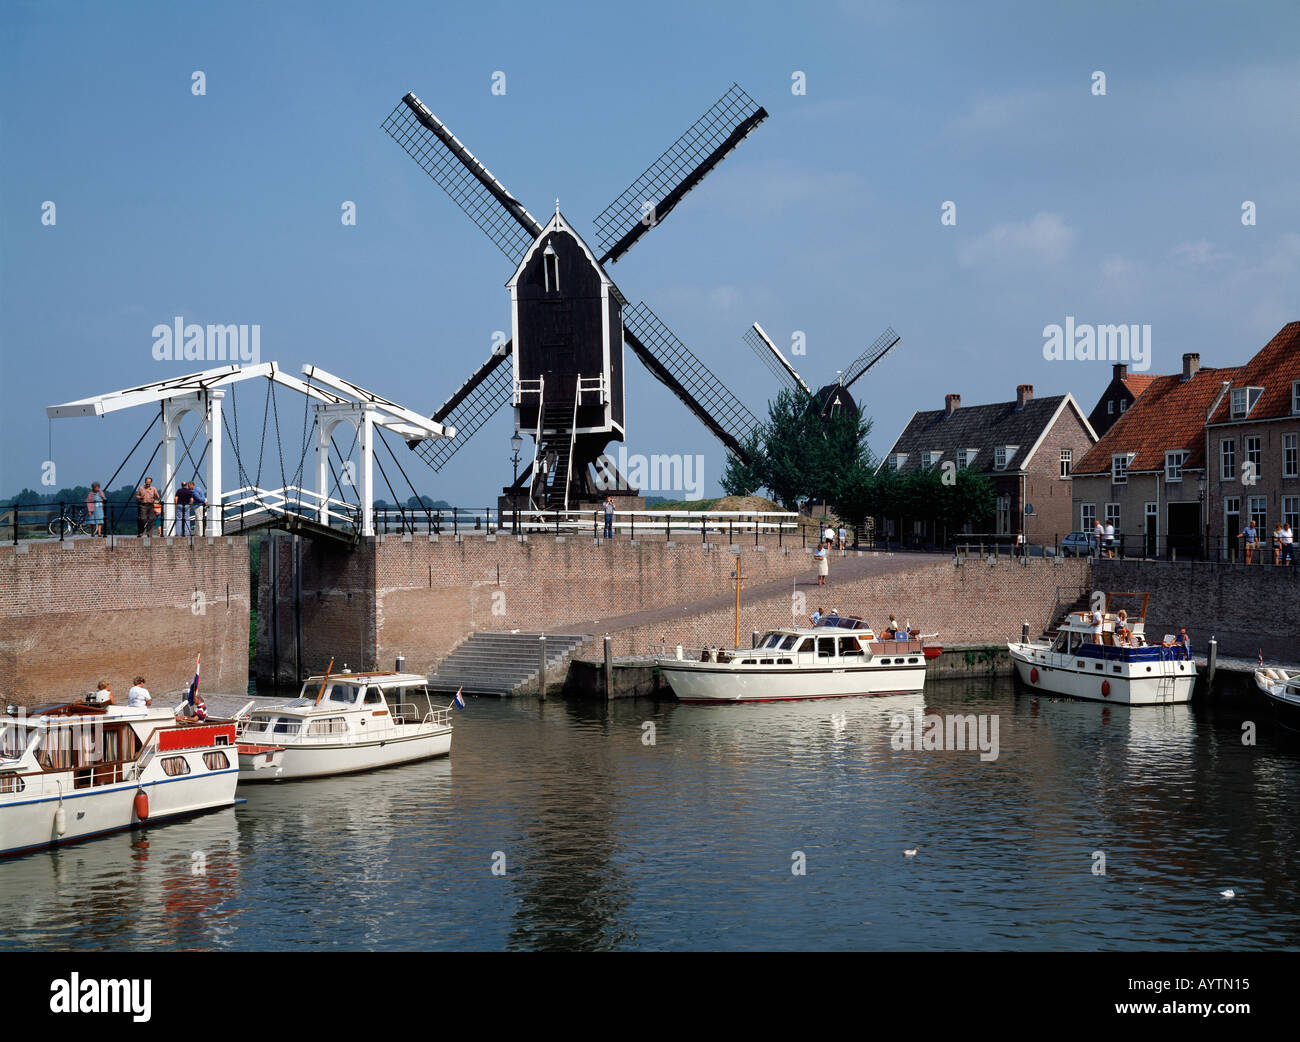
(225, 208)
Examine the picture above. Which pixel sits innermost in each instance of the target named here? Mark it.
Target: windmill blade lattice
(760, 347)
(469, 408)
(870, 356)
(457, 172)
(674, 365)
(684, 165)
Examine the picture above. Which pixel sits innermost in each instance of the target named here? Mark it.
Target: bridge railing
(251, 505)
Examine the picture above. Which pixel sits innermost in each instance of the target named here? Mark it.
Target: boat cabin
(836, 640)
(338, 704)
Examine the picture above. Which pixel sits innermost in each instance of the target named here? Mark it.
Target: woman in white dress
(822, 567)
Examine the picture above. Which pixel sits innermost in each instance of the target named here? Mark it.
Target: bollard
(1024, 633)
(541, 667)
(400, 665)
(609, 668)
(753, 639)
(1211, 664)
(679, 652)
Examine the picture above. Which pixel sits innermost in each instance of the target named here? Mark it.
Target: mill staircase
(558, 419)
(504, 664)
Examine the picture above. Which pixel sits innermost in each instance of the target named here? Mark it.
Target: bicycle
(72, 523)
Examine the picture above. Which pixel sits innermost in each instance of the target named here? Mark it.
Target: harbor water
(567, 825)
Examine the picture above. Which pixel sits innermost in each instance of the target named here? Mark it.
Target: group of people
(192, 711)
(189, 500)
(1283, 542)
(1103, 537)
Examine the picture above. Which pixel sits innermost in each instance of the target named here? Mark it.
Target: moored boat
(840, 657)
(343, 723)
(1104, 656)
(1282, 689)
(73, 770)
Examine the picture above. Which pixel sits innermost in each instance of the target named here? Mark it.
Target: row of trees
(800, 455)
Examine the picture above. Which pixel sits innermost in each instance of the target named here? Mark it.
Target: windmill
(833, 397)
(562, 368)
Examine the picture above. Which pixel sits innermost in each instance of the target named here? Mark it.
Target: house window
(1088, 517)
(1000, 457)
(1243, 400)
(1291, 512)
(897, 460)
(1110, 407)
(1258, 511)
(1112, 515)
(1253, 454)
(1004, 515)
(1174, 465)
(1228, 459)
(1295, 397)
(1290, 460)
(1067, 461)
(1119, 468)
(968, 457)
(932, 458)
(1123, 404)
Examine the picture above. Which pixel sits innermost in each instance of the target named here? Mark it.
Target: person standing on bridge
(609, 517)
(95, 508)
(184, 500)
(146, 497)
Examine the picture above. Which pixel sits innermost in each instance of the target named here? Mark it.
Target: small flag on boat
(1261, 656)
(459, 700)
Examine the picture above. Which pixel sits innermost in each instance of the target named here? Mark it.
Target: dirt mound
(751, 504)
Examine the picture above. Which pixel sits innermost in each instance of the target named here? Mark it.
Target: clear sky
(225, 208)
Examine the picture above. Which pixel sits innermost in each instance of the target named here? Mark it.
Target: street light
(516, 443)
(1205, 520)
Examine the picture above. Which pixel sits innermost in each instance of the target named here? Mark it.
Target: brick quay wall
(82, 610)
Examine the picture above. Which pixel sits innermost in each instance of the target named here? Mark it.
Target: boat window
(850, 646)
(771, 640)
(788, 643)
(885, 661)
(914, 659)
(216, 761)
(259, 723)
(330, 725)
(785, 662)
(373, 697)
(11, 783)
(344, 693)
(13, 740)
(825, 647)
(806, 644)
(287, 726)
(174, 766)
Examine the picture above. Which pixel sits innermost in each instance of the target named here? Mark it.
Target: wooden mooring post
(609, 668)
(541, 667)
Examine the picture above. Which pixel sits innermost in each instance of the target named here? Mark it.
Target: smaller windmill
(833, 397)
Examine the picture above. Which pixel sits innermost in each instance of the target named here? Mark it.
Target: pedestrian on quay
(139, 695)
(822, 568)
(1110, 539)
(1251, 536)
(1288, 543)
(844, 538)
(1277, 544)
(184, 499)
(198, 502)
(1020, 544)
(95, 508)
(146, 498)
(609, 517)
(1098, 534)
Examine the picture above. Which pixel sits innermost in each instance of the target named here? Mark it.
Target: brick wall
(974, 603)
(1051, 495)
(1246, 609)
(76, 612)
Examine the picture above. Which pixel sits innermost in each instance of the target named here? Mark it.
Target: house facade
(1026, 447)
(1120, 394)
(1199, 453)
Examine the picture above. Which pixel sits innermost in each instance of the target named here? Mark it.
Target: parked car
(1078, 544)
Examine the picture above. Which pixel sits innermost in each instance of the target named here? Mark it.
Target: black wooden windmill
(828, 400)
(569, 321)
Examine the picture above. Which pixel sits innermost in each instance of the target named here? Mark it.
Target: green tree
(740, 478)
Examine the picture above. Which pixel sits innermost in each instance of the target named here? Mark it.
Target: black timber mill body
(569, 320)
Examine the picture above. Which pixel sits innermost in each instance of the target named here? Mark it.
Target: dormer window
(897, 460)
(1295, 397)
(1119, 468)
(968, 457)
(1002, 456)
(551, 268)
(1243, 400)
(931, 459)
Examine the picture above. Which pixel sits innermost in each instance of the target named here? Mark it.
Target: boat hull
(304, 760)
(32, 823)
(1283, 697)
(708, 682)
(1148, 681)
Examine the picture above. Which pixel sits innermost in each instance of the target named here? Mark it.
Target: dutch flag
(459, 700)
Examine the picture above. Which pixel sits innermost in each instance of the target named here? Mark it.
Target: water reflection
(664, 826)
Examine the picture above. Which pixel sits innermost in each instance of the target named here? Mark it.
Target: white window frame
(1174, 460)
(1291, 512)
(1113, 514)
(968, 457)
(897, 460)
(1255, 454)
(1087, 517)
(1067, 462)
(932, 458)
(1123, 404)
(1110, 406)
(1000, 457)
(1118, 469)
(1228, 459)
(1257, 507)
(1003, 509)
(1291, 455)
(1295, 397)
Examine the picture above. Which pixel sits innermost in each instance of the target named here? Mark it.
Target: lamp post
(516, 443)
(1205, 520)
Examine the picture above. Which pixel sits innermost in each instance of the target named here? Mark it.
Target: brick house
(1026, 447)
(1148, 474)
(1120, 394)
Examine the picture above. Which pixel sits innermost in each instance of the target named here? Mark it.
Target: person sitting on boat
(1122, 632)
(102, 696)
(193, 710)
(139, 695)
(816, 616)
(891, 631)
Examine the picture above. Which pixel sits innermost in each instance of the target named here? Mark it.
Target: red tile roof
(1169, 415)
(1275, 368)
(1138, 383)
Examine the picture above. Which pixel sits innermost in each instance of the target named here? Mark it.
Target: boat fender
(60, 820)
(142, 804)
(1105, 688)
(1033, 675)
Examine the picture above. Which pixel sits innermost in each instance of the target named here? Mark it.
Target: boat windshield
(14, 739)
(343, 694)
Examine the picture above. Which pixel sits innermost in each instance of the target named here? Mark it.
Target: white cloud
(1045, 238)
(1201, 255)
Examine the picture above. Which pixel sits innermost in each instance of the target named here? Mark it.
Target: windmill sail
(652, 196)
(457, 172)
(770, 355)
(477, 399)
(870, 356)
(672, 364)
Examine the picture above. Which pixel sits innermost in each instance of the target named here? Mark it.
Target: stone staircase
(502, 665)
(1081, 603)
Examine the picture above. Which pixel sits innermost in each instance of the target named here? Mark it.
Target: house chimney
(1121, 370)
(1024, 393)
(951, 403)
(1191, 365)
